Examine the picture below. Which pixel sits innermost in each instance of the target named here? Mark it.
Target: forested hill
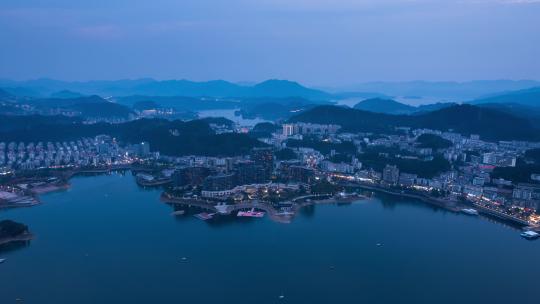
(465, 119)
(168, 137)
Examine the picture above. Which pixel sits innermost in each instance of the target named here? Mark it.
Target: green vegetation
(521, 173)
(464, 119)
(263, 130)
(433, 141)
(341, 158)
(388, 106)
(169, 137)
(425, 169)
(324, 187)
(11, 229)
(285, 154)
(534, 155)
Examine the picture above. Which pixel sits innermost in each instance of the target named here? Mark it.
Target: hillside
(465, 119)
(275, 108)
(66, 94)
(88, 106)
(388, 106)
(192, 138)
(528, 97)
(180, 103)
(520, 110)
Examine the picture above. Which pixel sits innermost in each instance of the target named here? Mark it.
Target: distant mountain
(220, 88)
(528, 97)
(285, 88)
(275, 108)
(434, 106)
(88, 106)
(180, 103)
(5, 96)
(146, 105)
(364, 95)
(62, 102)
(66, 94)
(388, 106)
(465, 119)
(528, 112)
(458, 91)
(150, 87)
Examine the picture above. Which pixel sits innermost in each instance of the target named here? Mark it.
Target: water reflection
(230, 114)
(13, 246)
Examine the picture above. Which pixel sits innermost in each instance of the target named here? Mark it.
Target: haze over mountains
(215, 88)
(491, 103)
(456, 91)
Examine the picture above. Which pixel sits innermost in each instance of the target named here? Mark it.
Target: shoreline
(455, 206)
(273, 213)
(20, 238)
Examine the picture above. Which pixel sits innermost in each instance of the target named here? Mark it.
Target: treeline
(464, 119)
(168, 137)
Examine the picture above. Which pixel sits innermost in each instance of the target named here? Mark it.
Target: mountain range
(216, 88)
(443, 90)
(389, 106)
(526, 97)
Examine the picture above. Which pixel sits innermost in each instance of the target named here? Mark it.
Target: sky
(316, 42)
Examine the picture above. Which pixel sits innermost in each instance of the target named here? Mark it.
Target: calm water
(108, 241)
(229, 114)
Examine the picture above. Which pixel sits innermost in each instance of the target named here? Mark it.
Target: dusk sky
(316, 42)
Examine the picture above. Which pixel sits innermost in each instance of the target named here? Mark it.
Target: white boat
(178, 212)
(2, 261)
(469, 211)
(530, 235)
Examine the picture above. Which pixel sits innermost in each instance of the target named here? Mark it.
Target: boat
(178, 212)
(469, 211)
(204, 216)
(530, 235)
(251, 213)
(2, 261)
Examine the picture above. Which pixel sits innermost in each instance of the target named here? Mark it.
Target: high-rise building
(264, 157)
(219, 182)
(190, 176)
(248, 172)
(298, 174)
(390, 174)
(144, 148)
(288, 129)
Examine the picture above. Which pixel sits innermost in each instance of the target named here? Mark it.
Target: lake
(229, 114)
(106, 240)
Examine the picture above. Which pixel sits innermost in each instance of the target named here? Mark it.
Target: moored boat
(204, 216)
(469, 211)
(530, 235)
